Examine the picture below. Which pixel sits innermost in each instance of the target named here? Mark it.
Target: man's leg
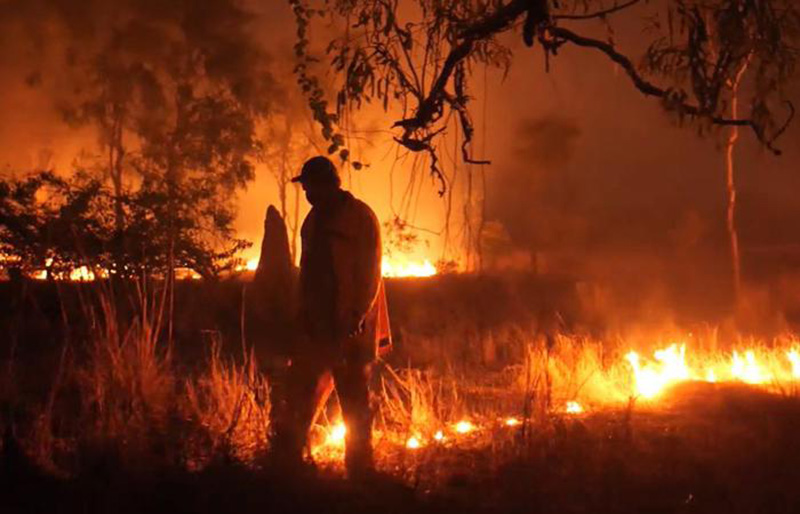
(352, 385)
(294, 413)
(322, 394)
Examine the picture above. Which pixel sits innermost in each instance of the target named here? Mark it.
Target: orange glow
(187, 274)
(512, 422)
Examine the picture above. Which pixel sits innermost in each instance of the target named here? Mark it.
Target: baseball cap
(318, 169)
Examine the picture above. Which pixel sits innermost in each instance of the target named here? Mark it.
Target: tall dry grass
(120, 399)
(120, 396)
(230, 402)
(126, 383)
(416, 402)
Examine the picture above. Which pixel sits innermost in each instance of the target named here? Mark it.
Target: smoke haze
(584, 168)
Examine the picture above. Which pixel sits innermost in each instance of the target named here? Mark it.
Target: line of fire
(399, 255)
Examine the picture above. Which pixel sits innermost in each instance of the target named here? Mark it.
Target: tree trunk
(733, 137)
(116, 157)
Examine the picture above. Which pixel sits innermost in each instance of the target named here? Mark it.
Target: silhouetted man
(342, 314)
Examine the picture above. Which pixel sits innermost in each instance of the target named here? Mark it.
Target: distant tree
(712, 47)
(175, 90)
(289, 138)
(49, 224)
(421, 56)
(56, 225)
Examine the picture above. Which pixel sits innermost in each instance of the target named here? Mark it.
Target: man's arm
(305, 237)
(368, 265)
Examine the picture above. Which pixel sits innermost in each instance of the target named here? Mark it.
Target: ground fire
(649, 380)
(391, 268)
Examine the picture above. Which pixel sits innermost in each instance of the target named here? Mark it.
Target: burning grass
(434, 424)
(230, 402)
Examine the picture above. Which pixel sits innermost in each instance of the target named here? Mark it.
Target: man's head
(320, 180)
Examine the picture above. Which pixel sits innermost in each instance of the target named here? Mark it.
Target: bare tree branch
(561, 35)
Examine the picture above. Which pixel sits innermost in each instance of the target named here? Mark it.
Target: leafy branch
(423, 66)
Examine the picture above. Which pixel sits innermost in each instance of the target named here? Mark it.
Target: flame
(336, 435)
(413, 443)
(187, 273)
(464, 427)
(82, 274)
(747, 370)
(249, 265)
(574, 408)
(670, 367)
(42, 273)
(390, 267)
(512, 422)
(794, 358)
(79, 274)
(439, 436)
(400, 267)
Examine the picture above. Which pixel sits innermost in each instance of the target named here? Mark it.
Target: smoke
(534, 195)
(52, 52)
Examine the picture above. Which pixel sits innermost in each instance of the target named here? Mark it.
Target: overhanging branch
(561, 35)
(493, 24)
